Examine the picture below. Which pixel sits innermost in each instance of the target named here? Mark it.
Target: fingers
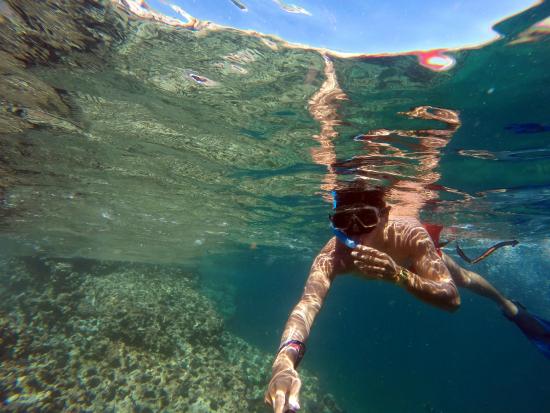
(371, 268)
(375, 272)
(279, 401)
(373, 263)
(369, 259)
(283, 392)
(364, 248)
(373, 252)
(367, 251)
(376, 262)
(293, 402)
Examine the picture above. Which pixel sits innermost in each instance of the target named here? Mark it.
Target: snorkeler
(373, 243)
(379, 240)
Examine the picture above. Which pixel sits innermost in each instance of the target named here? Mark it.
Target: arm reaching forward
(285, 383)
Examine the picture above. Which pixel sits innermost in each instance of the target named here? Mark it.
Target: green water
(134, 199)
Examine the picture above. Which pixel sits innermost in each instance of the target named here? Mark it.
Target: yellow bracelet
(402, 276)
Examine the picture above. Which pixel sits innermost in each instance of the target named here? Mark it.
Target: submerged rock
(90, 336)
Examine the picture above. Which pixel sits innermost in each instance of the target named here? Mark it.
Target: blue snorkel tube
(343, 238)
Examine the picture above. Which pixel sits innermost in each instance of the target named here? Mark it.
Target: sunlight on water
(166, 183)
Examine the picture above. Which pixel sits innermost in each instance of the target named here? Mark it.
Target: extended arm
(318, 283)
(285, 384)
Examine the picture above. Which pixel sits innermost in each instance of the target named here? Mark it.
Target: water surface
(136, 154)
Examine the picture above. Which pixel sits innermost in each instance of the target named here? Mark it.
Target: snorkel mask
(356, 220)
(353, 221)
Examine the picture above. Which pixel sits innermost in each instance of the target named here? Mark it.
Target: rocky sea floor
(88, 336)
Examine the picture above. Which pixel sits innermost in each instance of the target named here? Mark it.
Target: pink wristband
(296, 345)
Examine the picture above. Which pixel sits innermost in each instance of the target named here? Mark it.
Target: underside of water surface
(164, 190)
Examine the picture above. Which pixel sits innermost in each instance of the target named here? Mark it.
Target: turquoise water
(169, 182)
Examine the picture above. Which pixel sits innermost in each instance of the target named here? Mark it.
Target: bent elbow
(454, 304)
(452, 300)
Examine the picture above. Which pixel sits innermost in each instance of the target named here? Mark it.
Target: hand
(375, 264)
(283, 389)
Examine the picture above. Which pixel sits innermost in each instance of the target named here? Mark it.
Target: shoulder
(409, 233)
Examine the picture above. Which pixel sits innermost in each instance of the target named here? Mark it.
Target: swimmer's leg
(535, 328)
(479, 285)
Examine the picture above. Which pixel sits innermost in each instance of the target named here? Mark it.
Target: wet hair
(355, 194)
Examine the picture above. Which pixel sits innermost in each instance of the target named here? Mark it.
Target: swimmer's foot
(535, 328)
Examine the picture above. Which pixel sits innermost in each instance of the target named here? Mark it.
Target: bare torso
(402, 238)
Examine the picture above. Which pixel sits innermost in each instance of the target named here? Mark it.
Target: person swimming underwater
(373, 243)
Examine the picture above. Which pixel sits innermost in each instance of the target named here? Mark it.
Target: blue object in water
(343, 238)
(536, 329)
(528, 127)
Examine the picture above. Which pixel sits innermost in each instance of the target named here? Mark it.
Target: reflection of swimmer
(243, 56)
(486, 253)
(142, 9)
(292, 8)
(535, 33)
(528, 128)
(202, 80)
(239, 4)
(435, 60)
(198, 78)
(269, 43)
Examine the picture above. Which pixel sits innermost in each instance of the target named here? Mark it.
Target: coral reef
(89, 336)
